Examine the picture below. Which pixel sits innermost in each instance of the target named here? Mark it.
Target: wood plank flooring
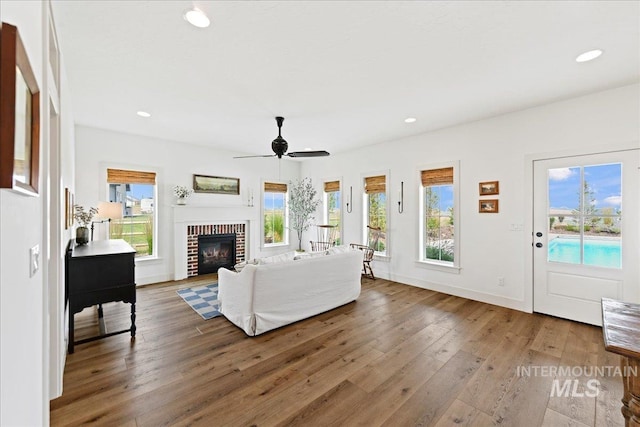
(398, 356)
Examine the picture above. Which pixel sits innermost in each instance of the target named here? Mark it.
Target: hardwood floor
(399, 355)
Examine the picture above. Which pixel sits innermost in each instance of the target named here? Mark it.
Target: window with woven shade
(275, 219)
(375, 184)
(437, 214)
(375, 189)
(332, 203)
(135, 190)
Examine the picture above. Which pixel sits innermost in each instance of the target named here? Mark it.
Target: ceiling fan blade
(320, 153)
(250, 157)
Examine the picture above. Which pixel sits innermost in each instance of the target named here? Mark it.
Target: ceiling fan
(279, 147)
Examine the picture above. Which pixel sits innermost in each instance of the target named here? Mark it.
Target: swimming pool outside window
(585, 215)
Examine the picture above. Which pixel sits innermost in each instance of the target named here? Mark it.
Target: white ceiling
(343, 73)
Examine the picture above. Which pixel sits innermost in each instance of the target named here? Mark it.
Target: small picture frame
(216, 184)
(488, 206)
(489, 188)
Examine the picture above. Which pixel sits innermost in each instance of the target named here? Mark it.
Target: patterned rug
(203, 299)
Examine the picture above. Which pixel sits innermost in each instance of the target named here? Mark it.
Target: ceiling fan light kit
(280, 146)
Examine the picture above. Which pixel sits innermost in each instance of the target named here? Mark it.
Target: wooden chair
(373, 236)
(326, 238)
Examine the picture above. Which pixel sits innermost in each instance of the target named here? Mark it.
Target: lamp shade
(110, 210)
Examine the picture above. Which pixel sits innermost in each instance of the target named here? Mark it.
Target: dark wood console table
(621, 329)
(99, 272)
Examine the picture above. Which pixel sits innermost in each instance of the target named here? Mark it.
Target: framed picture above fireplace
(216, 184)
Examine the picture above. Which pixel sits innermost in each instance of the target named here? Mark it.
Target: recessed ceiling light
(197, 18)
(143, 114)
(410, 120)
(588, 56)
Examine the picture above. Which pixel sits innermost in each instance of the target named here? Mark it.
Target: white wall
(491, 149)
(22, 301)
(175, 163)
(32, 308)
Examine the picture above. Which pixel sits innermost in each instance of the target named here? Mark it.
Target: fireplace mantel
(184, 216)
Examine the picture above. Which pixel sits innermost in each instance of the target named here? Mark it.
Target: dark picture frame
(67, 200)
(489, 206)
(489, 188)
(216, 184)
(68, 209)
(19, 116)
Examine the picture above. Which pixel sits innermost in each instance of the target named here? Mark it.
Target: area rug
(203, 299)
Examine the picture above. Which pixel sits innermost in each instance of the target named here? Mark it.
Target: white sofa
(263, 297)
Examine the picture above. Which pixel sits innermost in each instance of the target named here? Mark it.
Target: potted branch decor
(84, 218)
(302, 206)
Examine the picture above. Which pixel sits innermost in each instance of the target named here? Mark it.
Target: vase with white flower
(181, 193)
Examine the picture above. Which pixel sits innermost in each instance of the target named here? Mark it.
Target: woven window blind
(120, 176)
(441, 176)
(330, 186)
(375, 184)
(274, 187)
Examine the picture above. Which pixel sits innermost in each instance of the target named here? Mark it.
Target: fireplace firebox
(216, 251)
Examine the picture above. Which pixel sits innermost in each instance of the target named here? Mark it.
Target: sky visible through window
(271, 202)
(445, 196)
(603, 180)
(141, 191)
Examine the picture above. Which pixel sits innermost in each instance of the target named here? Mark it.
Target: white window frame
(325, 206)
(156, 200)
(365, 212)
(447, 266)
(286, 242)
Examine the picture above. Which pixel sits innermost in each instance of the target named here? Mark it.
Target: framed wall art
(488, 206)
(216, 184)
(489, 188)
(19, 116)
(67, 200)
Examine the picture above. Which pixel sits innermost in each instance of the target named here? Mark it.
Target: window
(136, 191)
(438, 208)
(585, 215)
(332, 203)
(375, 188)
(274, 213)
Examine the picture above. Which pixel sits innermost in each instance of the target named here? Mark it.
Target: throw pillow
(287, 256)
(239, 266)
(305, 255)
(339, 249)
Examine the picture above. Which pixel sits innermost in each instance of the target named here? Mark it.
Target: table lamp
(107, 211)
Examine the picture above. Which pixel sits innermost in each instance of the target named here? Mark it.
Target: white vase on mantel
(181, 201)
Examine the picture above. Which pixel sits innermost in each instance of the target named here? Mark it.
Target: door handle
(539, 234)
(538, 245)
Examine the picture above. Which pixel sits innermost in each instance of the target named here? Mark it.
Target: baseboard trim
(149, 280)
(459, 292)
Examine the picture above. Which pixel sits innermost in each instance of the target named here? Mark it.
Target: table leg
(133, 320)
(634, 391)
(70, 345)
(101, 322)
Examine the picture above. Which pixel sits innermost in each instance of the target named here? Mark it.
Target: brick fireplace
(209, 230)
(192, 220)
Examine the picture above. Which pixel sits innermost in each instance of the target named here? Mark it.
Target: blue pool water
(601, 253)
